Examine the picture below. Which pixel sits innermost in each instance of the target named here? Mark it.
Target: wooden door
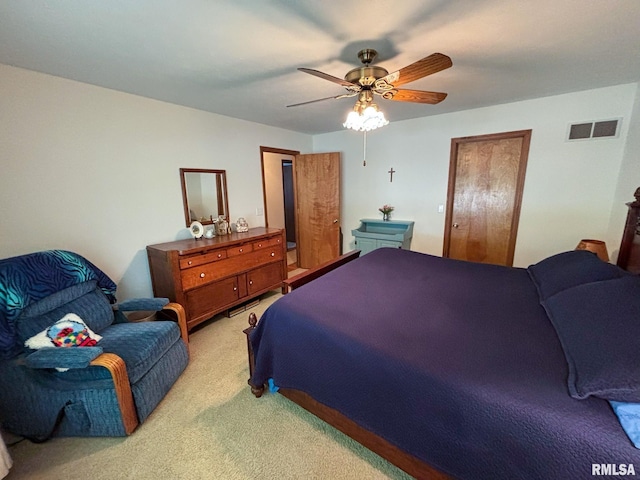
(317, 191)
(486, 178)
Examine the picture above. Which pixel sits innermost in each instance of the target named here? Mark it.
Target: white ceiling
(239, 57)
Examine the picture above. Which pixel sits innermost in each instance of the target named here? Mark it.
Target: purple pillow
(569, 269)
(598, 325)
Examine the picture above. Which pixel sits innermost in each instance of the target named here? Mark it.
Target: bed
(453, 369)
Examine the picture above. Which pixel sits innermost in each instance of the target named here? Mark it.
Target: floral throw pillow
(69, 331)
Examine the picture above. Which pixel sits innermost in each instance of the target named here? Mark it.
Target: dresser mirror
(204, 194)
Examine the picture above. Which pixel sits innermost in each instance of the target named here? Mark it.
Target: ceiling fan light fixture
(370, 79)
(366, 119)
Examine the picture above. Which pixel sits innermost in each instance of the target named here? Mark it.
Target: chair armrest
(69, 357)
(118, 371)
(142, 304)
(180, 317)
(158, 305)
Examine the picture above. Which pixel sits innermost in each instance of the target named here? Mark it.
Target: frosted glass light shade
(370, 119)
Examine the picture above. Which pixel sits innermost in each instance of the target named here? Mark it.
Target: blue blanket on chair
(29, 278)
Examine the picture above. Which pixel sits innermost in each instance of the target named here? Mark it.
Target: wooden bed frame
(628, 258)
(629, 254)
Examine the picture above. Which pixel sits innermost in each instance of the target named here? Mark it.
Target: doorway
(311, 185)
(486, 179)
(279, 196)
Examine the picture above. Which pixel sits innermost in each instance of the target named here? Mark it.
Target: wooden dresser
(208, 276)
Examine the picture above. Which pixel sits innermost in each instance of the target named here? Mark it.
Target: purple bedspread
(453, 362)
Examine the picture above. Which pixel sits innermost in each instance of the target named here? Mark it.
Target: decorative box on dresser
(209, 276)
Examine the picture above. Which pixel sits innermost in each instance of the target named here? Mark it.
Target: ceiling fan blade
(417, 96)
(434, 63)
(323, 99)
(326, 76)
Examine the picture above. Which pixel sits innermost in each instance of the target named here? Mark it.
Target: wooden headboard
(629, 255)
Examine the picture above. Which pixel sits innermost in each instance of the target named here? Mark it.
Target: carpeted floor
(209, 426)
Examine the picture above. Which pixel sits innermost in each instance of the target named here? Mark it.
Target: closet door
(486, 178)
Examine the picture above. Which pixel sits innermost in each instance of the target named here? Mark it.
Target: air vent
(591, 130)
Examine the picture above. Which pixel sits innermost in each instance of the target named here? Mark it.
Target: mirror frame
(221, 187)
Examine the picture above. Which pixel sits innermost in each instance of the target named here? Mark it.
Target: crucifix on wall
(391, 172)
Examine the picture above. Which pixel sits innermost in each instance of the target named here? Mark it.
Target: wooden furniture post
(629, 255)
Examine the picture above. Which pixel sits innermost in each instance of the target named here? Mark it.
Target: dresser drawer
(210, 272)
(267, 255)
(267, 242)
(195, 260)
(239, 250)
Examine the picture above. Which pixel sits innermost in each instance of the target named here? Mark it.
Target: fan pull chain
(364, 149)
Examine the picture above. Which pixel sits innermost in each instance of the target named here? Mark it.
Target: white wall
(570, 187)
(95, 171)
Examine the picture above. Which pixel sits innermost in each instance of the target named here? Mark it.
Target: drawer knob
(202, 275)
(235, 288)
(250, 282)
(273, 254)
(259, 245)
(189, 262)
(240, 250)
(219, 255)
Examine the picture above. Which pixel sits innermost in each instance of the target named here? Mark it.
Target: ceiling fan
(368, 80)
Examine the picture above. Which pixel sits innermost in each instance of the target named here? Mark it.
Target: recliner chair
(106, 389)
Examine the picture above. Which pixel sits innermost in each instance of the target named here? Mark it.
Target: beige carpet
(209, 426)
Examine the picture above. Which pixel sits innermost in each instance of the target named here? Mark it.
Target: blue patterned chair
(104, 389)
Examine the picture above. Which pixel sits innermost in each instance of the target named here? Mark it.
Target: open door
(316, 199)
(317, 192)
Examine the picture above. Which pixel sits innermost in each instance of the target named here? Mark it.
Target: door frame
(522, 168)
(279, 151)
